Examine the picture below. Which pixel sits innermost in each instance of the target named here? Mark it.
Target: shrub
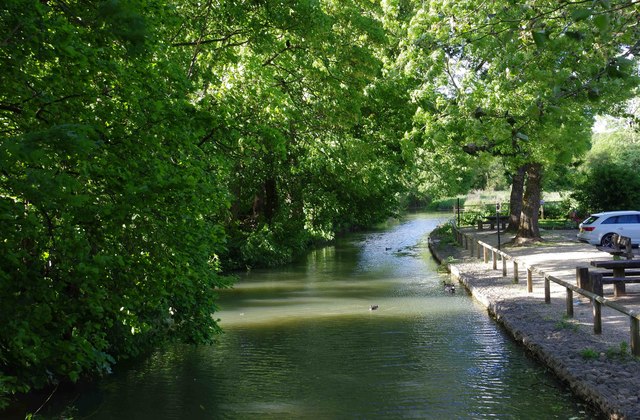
(609, 186)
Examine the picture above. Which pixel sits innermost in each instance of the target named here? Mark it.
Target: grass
(613, 353)
(479, 198)
(589, 354)
(553, 224)
(567, 324)
(621, 352)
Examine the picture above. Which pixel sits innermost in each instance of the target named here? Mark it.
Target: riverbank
(598, 368)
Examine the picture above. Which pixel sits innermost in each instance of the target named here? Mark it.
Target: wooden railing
(488, 252)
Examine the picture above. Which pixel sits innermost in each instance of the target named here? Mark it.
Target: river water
(301, 342)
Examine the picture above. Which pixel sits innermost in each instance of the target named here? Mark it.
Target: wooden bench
(619, 284)
(503, 220)
(626, 273)
(620, 246)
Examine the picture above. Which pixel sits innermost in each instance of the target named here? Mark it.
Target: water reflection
(301, 342)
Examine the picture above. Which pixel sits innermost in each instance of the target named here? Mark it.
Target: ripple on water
(301, 342)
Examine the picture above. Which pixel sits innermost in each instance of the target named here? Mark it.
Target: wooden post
(504, 266)
(597, 317)
(486, 254)
(466, 241)
(635, 336)
(628, 250)
(582, 278)
(494, 256)
(547, 289)
(569, 303)
(529, 280)
(515, 271)
(619, 289)
(595, 281)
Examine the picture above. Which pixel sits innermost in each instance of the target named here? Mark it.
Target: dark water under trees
(301, 342)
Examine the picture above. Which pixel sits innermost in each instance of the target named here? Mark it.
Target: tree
(110, 210)
(308, 146)
(608, 178)
(611, 186)
(147, 147)
(519, 81)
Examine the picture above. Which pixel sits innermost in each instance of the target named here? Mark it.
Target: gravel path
(598, 368)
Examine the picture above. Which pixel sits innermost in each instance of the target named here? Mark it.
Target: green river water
(301, 342)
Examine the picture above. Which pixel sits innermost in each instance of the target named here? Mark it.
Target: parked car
(598, 229)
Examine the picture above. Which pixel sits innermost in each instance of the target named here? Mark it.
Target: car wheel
(607, 240)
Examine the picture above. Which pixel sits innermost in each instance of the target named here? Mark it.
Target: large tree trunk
(515, 199)
(528, 229)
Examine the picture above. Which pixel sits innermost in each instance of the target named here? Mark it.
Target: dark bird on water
(450, 288)
(373, 307)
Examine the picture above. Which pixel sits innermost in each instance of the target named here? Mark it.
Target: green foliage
(608, 179)
(148, 146)
(109, 211)
(556, 209)
(551, 224)
(445, 204)
(513, 82)
(620, 353)
(444, 233)
(589, 354)
(621, 147)
(609, 186)
(567, 324)
(470, 218)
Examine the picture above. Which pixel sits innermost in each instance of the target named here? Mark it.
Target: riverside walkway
(598, 367)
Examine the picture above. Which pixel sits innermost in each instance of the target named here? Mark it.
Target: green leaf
(580, 14)
(575, 35)
(606, 4)
(540, 38)
(601, 22)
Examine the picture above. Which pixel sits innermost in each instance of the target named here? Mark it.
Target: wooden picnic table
(619, 268)
(497, 219)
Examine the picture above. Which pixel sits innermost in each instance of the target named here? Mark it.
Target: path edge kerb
(581, 388)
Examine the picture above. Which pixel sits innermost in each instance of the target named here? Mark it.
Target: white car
(598, 228)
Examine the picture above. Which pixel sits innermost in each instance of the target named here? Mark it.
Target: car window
(610, 221)
(628, 218)
(590, 220)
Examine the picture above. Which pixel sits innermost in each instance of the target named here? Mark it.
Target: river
(301, 342)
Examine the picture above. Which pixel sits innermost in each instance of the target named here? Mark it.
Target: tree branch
(269, 60)
(210, 41)
(12, 108)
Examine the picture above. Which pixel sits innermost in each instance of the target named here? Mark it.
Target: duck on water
(449, 287)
